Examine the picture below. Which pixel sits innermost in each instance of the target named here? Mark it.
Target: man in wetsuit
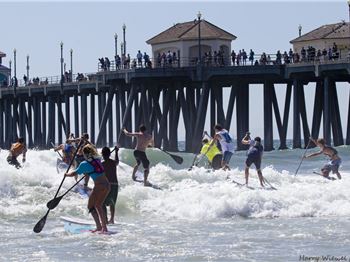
(254, 156)
(335, 160)
(16, 149)
(143, 141)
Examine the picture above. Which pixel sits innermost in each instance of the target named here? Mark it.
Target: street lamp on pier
(349, 26)
(199, 15)
(10, 66)
(71, 65)
(14, 66)
(27, 67)
(61, 44)
(299, 27)
(124, 45)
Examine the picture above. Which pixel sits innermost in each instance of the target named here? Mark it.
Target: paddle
(302, 159)
(55, 201)
(195, 157)
(53, 145)
(41, 223)
(271, 186)
(177, 159)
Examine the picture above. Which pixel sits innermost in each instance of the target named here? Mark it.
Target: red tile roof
(189, 31)
(332, 31)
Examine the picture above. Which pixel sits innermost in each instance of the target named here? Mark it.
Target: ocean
(199, 215)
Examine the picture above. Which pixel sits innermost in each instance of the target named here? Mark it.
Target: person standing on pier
(335, 160)
(254, 156)
(110, 167)
(227, 146)
(16, 149)
(143, 141)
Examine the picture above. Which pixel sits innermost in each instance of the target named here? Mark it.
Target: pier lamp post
(61, 44)
(199, 15)
(349, 27)
(10, 66)
(27, 67)
(71, 65)
(124, 43)
(14, 66)
(115, 50)
(299, 28)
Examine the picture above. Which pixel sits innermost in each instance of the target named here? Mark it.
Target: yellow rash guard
(211, 153)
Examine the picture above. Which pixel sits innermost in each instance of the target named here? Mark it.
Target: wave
(195, 195)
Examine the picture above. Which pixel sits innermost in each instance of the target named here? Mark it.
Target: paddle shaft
(56, 151)
(302, 159)
(176, 158)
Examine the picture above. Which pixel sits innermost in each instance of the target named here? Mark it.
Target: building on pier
(182, 38)
(324, 37)
(4, 72)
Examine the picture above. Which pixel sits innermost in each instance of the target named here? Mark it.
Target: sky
(37, 28)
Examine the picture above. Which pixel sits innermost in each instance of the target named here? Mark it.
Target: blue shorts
(332, 166)
(227, 156)
(253, 160)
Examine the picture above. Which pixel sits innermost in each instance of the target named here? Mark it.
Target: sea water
(199, 215)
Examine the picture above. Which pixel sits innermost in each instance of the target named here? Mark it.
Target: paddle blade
(41, 223)
(53, 202)
(177, 159)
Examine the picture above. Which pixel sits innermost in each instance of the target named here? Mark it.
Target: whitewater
(199, 215)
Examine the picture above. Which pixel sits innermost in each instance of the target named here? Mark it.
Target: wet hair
(106, 152)
(321, 141)
(85, 135)
(205, 141)
(257, 139)
(90, 151)
(218, 127)
(142, 128)
(20, 140)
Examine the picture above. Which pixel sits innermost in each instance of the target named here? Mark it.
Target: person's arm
(71, 173)
(127, 133)
(314, 154)
(24, 155)
(246, 139)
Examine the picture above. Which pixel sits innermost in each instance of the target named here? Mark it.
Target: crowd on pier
(219, 58)
(215, 58)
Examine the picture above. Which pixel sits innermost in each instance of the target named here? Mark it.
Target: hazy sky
(37, 28)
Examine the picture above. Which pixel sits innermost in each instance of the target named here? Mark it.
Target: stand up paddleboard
(326, 177)
(78, 226)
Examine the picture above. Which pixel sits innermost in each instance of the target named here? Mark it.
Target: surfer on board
(93, 168)
(332, 153)
(254, 156)
(144, 140)
(16, 149)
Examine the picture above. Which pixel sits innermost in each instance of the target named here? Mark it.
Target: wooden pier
(157, 97)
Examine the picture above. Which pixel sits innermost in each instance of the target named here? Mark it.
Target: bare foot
(111, 221)
(147, 183)
(95, 230)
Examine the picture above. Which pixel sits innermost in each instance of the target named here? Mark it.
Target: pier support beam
(242, 113)
(268, 121)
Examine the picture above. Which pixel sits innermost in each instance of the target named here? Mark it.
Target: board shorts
(141, 157)
(227, 157)
(12, 160)
(253, 160)
(111, 198)
(332, 166)
(99, 192)
(216, 163)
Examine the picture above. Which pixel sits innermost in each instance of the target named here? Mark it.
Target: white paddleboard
(78, 226)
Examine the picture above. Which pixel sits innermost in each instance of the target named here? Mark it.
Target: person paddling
(67, 150)
(93, 168)
(143, 141)
(110, 167)
(212, 153)
(16, 149)
(254, 156)
(332, 153)
(227, 146)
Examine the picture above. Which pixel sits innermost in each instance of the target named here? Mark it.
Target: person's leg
(112, 209)
(101, 194)
(246, 172)
(134, 172)
(93, 211)
(261, 179)
(325, 170)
